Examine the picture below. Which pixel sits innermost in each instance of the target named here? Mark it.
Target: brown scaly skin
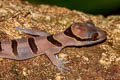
(77, 34)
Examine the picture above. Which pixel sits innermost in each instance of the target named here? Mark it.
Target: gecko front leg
(33, 32)
(57, 61)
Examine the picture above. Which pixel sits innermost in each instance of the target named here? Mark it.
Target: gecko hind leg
(33, 32)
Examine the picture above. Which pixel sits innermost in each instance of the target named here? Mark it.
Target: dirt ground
(97, 62)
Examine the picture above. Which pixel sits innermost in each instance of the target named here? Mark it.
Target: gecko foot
(60, 64)
(18, 28)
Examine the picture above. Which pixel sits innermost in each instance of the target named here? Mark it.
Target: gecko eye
(94, 36)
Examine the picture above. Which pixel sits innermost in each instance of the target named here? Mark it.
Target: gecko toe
(62, 67)
(60, 70)
(56, 57)
(17, 28)
(67, 62)
(65, 68)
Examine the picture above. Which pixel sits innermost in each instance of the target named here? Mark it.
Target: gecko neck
(64, 40)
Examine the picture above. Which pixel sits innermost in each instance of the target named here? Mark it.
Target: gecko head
(85, 32)
(82, 31)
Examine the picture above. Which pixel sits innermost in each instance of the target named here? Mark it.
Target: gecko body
(77, 34)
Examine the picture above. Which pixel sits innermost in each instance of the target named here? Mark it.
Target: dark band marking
(0, 47)
(14, 47)
(68, 32)
(32, 45)
(53, 41)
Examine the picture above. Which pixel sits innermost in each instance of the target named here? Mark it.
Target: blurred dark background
(105, 7)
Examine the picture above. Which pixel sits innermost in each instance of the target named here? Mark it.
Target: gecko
(77, 34)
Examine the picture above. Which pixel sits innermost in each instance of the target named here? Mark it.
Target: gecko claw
(67, 62)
